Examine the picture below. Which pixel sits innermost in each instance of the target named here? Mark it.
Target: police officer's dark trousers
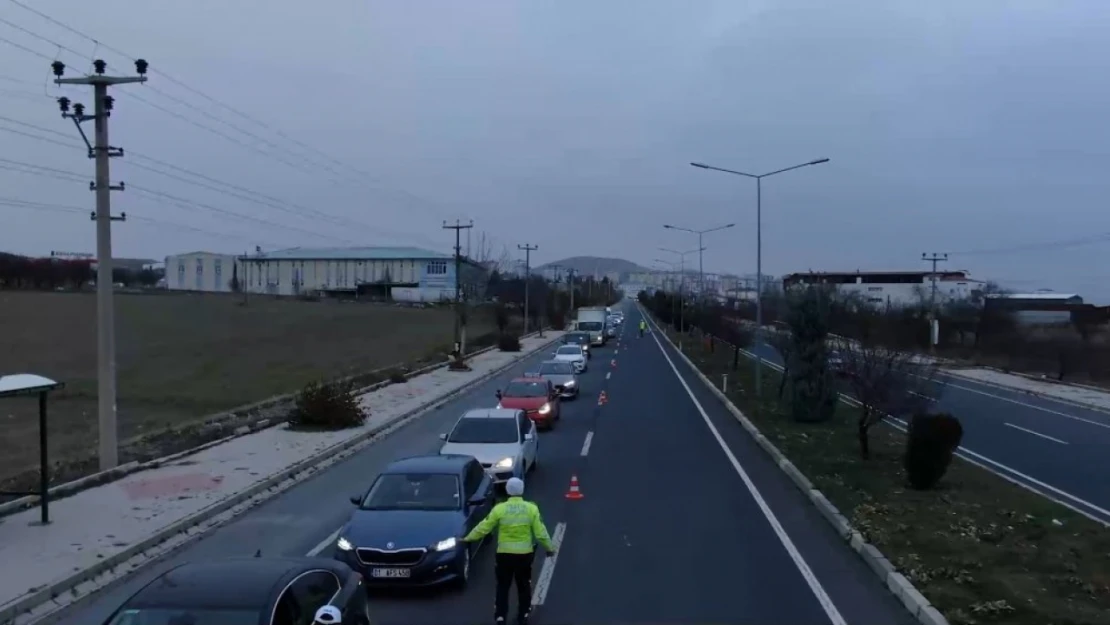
(509, 568)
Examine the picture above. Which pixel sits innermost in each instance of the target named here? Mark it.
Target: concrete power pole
(933, 329)
(557, 278)
(571, 286)
(460, 329)
(528, 249)
(101, 150)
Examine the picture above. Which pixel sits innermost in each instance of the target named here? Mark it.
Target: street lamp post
(682, 284)
(701, 265)
(759, 253)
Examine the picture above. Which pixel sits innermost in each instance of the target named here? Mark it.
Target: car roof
(228, 583)
(490, 413)
(437, 463)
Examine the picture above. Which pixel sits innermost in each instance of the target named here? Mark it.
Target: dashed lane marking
(586, 444)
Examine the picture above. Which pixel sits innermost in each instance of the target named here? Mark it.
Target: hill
(589, 265)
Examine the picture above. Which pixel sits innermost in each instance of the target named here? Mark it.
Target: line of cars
(404, 531)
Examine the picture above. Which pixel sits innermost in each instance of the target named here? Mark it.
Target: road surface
(1054, 447)
(684, 520)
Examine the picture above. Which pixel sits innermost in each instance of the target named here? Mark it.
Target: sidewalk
(1069, 393)
(102, 527)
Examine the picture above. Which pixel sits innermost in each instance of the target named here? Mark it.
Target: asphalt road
(1057, 448)
(669, 530)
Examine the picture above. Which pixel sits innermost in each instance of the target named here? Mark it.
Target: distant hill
(589, 265)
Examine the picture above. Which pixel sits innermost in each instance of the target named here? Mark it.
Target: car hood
(523, 403)
(569, 357)
(558, 378)
(486, 453)
(404, 528)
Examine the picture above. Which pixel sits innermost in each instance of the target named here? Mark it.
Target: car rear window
(185, 616)
(570, 350)
(590, 326)
(413, 491)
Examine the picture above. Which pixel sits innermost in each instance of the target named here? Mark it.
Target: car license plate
(390, 573)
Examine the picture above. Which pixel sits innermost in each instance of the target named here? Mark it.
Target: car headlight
(506, 463)
(544, 409)
(343, 544)
(499, 405)
(448, 543)
(570, 383)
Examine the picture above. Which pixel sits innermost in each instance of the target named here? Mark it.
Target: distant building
(400, 273)
(1040, 308)
(892, 288)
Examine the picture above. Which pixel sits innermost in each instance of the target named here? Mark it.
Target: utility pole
(101, 150)
(460, 331)
(571, 287)
(934, 333)
(528, 249)
(558, 278)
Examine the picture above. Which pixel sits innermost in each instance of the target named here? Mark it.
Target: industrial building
(1039, 308)
(892, 288)
(398, 273)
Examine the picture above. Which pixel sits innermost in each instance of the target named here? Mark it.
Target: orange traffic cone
(574, 493)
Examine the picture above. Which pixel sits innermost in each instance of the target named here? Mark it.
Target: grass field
(981, 549)
(182, 357)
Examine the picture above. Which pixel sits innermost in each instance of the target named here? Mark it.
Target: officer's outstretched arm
(486, 526)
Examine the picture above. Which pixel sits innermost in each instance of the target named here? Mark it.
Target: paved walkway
(104, 521)
(1085, 395)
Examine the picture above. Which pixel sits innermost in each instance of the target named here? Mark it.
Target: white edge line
(586, 444)
(547, 571)
(1028, 431)
(1027, 482)
(799, 561)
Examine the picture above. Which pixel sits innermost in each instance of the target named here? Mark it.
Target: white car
(502, 439)
(574, 354)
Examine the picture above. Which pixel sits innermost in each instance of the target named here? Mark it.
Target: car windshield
(485, 431)
(577, 338)
(413, 491)
(526, 389)
(589, 326)
(569, 350)
(185, 616)
(556, 368)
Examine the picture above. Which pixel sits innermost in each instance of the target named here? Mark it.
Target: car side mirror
(356, 499)
(498, 394)
(443, 437)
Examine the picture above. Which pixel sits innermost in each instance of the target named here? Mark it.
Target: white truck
(592, 319)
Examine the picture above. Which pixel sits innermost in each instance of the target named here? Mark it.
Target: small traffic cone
(602, 399)
(574, 493)
(614, 363)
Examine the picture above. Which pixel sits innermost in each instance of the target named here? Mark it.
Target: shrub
(933, 438)
(397, 377)
(508, 343)
(813, 395)
(327, 406)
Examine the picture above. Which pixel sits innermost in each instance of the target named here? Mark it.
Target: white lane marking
(1027, 482)
(803, 567)
(324, 544)
(615, 351)
(547, 571)
(608, 375)
(586, 445)
(1027, 405)
(1028, 431)
(1020, 391)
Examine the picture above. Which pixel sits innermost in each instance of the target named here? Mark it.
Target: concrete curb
(67, 489)
(1023, 391)
(896, 583)
(289, 476)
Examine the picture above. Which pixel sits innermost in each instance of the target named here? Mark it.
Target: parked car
(536, 397)
(247, 591)
(574, 354)
(406, 528)
(502, 439)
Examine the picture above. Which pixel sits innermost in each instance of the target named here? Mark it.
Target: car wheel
(464, 572)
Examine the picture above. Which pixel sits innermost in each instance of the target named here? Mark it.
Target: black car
(578, 338)
(247, 591)
(406, 529)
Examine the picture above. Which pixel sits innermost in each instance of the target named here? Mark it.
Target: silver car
(562, 377)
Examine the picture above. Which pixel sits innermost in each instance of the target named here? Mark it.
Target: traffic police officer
(519, 527)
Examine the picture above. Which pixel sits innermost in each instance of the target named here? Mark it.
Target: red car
(536, 397)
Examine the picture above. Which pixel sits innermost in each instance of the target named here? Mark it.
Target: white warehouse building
(892, 288)
(400, 273)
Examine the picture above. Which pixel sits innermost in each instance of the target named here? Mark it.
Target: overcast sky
(973, 128)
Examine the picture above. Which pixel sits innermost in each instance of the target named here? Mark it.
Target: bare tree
(483, 251)
(886, 381)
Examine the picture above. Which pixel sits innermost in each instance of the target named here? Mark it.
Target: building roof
(940, 272)
(351, 253)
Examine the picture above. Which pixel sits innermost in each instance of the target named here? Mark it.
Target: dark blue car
(407, 527)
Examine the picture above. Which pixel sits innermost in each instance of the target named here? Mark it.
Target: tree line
(51, 274)
(548, 302)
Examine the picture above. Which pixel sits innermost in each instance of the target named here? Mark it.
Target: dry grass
(982, 549)
(182, 357)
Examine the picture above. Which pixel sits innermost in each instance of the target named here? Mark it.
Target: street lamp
(682, 283)
(759, 253)
(700, 233)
